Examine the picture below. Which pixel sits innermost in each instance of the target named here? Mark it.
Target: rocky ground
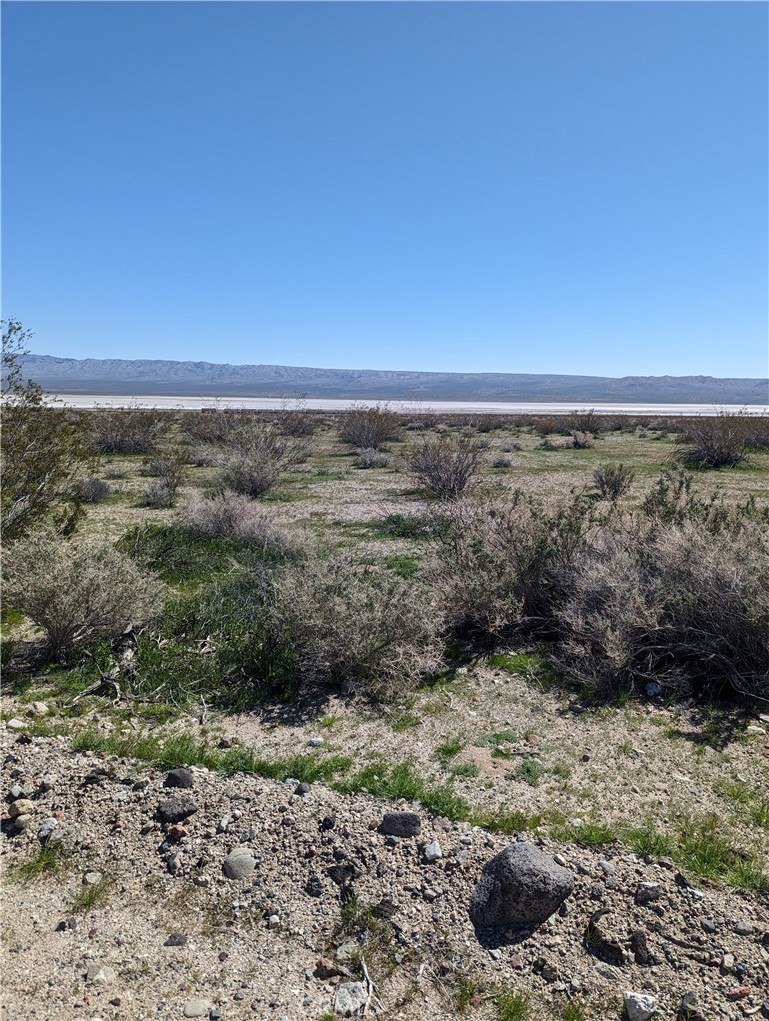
(191, 894)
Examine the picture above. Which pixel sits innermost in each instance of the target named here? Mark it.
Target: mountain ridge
(164, 376)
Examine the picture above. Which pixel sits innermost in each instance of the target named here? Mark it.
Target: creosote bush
(232, 515)
(612, 481)
(359, 626)
(446, 465)
(369, 458)
(369, 426)
(717, 442)
(132, 429)
(77, 592)
(255, 455)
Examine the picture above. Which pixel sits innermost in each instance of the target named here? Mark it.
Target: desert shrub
(582, 440)
(612, 481)
(47, 453)
(232, 515)
(94, 491)
(210, 425)
(717, 442)
(170, 465)
(255, 455)
(406, 526)
(77, 592)
(671, 501)
(501, 462)
(359, 626)
(132, 429)
(368, 458)
(369, 426)
(675, 605)
(585, 421)
(509, 446)
(445, 465)
(499, 567)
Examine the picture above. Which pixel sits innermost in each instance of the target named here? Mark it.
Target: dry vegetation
(467, 607)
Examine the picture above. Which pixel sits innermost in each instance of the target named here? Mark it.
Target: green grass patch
(647, 842)
(403, 565)
(448, 749)
(466, 770)
(49, 860)
(405, 722)
(92, 895)
(185, 750)
(404, 526)
(586, 834)
(513, 1005)
(530, 771)
(401, 781)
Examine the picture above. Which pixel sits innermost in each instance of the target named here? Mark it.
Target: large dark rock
(520, 886)
(401, 824)
(176, 809)
(180, 777)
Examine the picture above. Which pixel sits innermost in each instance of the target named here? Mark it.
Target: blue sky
(533, 187)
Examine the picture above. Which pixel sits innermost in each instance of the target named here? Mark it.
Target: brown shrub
(358, 626)
(78, 592)
(231, 515)
(446, 465)
(369, 426)
(255, 455)
(132, 429)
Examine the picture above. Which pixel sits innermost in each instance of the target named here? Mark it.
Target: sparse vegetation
(446, 465)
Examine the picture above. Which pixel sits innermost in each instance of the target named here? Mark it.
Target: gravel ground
(144, 908)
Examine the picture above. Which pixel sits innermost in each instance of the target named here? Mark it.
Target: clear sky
(514, 187)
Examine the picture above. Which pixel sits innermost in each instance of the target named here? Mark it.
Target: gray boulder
(181, 777)
(240, 863)
(350, 998)
(176, 809)
(520, 886)
(401, 824)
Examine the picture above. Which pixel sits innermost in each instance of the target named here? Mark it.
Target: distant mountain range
(141, 377)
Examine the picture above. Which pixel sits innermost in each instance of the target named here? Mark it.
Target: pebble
(433, 852)
(15, 724)
(100, 974)
(743, 929)
(316, 742)
(708, 924)
(639, 1006)
(22, 806)
(176, 809)
(22, 821)
(350, 998)
(197, 1008)
(92, 878)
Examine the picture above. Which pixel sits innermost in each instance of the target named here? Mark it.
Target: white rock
(350, 997)
(15, 724)
(433, 852)
(100, 974)
(316, 742)
(37, 709)
(196, 1008)
(639, 1006)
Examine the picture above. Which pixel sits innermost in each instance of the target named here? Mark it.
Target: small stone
(708, 925)
(743, 929)
(738, 993)
(15, 724)
(520, 885)
(606, 867)
(639, 1006)
(401, 824)
(66, 924)
(196, 1008)
(176, 809)
(751, 729)
(316, 742)
(176, 832)
(495, 954)
(47, 830)
(433, 852)
(180, 777)
(273, 922)
(176, 939)
(23, 806)
(92, 878)
(100, 974)
(727, 962)
(302, 788)
(350, 998)
(37, 709)
(240, 863)
(647, 892)
(21, 822)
